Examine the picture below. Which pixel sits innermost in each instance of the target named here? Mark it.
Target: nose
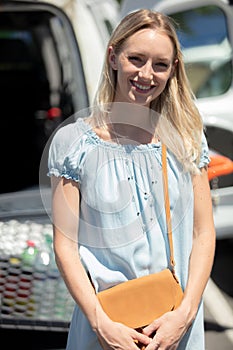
(146, 71)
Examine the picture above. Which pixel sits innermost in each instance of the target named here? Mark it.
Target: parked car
(205, 30)
(51, 54)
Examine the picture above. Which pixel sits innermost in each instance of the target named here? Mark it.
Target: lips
(142, 87)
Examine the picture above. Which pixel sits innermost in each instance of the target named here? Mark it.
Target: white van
(51, 54)
(205, 30)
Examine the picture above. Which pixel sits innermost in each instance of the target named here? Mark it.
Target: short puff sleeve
(66, 153)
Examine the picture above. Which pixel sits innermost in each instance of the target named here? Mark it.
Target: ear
(112, 58)
(174, 67)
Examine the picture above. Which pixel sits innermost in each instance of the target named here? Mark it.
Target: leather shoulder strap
(167, 206)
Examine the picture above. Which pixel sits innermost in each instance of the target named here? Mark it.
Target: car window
(207, 50)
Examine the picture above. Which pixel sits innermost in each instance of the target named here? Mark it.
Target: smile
(144, 88)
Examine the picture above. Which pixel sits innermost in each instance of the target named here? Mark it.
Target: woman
(108, 208)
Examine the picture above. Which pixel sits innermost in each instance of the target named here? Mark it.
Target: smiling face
(144, 65)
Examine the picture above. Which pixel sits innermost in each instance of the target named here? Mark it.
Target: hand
(168, 329)
(116, 336)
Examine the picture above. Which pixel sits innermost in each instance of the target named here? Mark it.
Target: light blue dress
(122, 232)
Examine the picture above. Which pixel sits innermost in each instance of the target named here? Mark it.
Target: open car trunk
(41, 84)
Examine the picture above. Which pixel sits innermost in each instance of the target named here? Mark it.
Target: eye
(161, 66)
(134, 59)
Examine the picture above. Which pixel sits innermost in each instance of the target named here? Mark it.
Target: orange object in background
(219, 165)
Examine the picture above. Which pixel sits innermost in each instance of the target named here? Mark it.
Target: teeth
(141, 87)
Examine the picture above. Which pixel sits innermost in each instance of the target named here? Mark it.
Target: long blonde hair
(176, 104)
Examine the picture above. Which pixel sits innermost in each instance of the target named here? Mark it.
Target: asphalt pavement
(218, 299)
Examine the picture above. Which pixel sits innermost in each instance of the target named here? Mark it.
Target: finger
(140, 345)
(154, 345)
(141, 338)
(174, 347)
(151, 329)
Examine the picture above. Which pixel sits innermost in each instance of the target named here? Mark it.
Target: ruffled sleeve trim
(66, 151)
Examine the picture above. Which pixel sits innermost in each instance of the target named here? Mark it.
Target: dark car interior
(38, 91)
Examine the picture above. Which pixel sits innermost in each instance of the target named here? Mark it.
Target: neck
(131, 123)
(130, 114)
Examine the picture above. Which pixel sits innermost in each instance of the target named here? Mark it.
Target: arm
(65, 209)
(172, 326)
(203, 249)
